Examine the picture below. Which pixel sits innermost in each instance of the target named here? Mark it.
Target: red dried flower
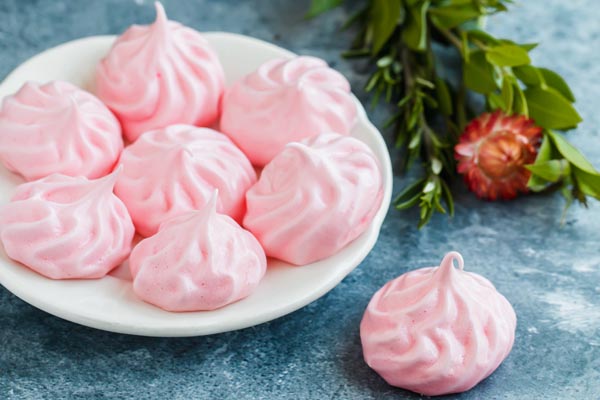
(493, 151)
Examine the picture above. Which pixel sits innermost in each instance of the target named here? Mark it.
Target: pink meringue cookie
(314, 198)
(437, 330)
(66, 227)
(58, 128)
(159, 75)
(200, 260)
(286, 101)
(174, 170)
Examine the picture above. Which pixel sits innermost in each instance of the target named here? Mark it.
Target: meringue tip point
(180, 150)
(447, 265)
(161, 15)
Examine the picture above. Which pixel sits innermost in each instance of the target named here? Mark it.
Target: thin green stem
(479, 45)
(452, 38)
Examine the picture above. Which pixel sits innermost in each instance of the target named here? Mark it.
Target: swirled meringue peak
(58, 128)
(159, 75)
(171, 171)
(286, 100)
(437, 330)
(67, 227)
(200, 260)
(314, 198)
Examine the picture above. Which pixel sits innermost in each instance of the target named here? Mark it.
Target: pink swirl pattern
(286, 101)
(437, 330)
(174, 170)
(314, 198)
(197, 261)
(58, 128)
(66, 227)
(159, 75)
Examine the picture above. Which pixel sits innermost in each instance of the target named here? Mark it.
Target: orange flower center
(501, 155)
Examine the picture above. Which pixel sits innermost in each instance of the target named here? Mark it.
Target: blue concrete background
(551, 274)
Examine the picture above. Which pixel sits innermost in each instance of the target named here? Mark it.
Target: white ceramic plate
(110, 303)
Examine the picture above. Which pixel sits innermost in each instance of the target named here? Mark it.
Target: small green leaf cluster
(400, 37)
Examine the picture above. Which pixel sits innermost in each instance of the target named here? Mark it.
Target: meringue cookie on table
(174, 170)
(159, 75)
(58, 128)
(314, 198)
(66, 227)
(283, 101)
(200, 260)
(437, 330)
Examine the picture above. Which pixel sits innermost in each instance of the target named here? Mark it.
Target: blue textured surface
(551, 274)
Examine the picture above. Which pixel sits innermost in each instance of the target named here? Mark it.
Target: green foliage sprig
(406, 40)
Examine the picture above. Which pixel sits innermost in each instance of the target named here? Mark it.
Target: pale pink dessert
(67, 227)
(159, 75)
(200, 260)
(170, 171)
(286, 100)
(58, 128)
(437, 330)
(314, 198)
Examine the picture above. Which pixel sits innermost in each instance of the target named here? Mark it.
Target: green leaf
(415, 31)
(373, 80)
(528, 74)
(465, 49)
(519, 101)
(536, 183)
(387, 76)
(415, 141)
(507, 94)
(551, 170)
(550, 109)
(528, 46)
(426, 214)
(406, 204)
(545, 151)
(320, 6)
(409, 191)
(443, 95)
(495, 101)
(384, 17)
(532, 76)
(568, 195)
(482, 36)
(424, 82)
(568, 151)
(412, 120)
(404, 100)
(447, 195)
(507, 55)
(430, 101)
(385, 61)
(555, 81)
(588, 183)
(478, 74)
(452, 16)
